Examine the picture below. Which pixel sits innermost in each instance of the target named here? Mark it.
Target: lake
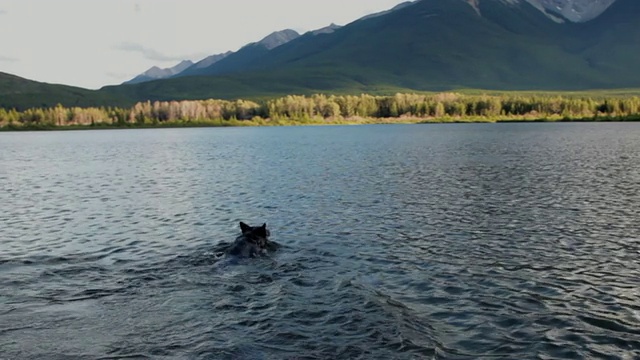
(460, 241)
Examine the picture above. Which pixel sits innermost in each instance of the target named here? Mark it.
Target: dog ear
(262, 231)
(244, 227)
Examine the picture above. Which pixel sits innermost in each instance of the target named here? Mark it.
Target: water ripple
(510, 241)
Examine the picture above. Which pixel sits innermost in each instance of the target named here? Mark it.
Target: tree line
(332, 108)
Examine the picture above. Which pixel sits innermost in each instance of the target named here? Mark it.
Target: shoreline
(270, 123)
(319, 109)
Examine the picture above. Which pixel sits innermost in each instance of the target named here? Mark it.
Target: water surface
(496, 241)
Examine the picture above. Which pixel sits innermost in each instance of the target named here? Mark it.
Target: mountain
(397, 7)
(326, 30)
(427, 45)
(247, 54)
(574, 10)
(278, 38)
(156, 73)
(20, 93)
(188, 68)
(609, 43)
(434, 45)
(209, 60)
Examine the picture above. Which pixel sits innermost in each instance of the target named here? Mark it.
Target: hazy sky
(91, 43)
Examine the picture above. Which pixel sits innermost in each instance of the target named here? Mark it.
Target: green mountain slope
(254, 85)
(443, 44)
(611, 43)
(239, 60)
(20, 93)
(235, 61)
(435, 45)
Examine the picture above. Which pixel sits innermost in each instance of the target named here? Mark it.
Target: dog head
(255, 234)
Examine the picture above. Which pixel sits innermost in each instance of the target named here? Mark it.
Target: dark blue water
(508, 241)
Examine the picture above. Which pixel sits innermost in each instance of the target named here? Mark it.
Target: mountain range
(235, 59)
(156, 73)
(571, 10)
(425, 45)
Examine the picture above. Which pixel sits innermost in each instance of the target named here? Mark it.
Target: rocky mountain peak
(575, 10)
(278, 38)
(572, 10)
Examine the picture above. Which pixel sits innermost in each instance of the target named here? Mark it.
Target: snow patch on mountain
(576, 10)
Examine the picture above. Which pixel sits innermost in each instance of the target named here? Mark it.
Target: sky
(92, 43)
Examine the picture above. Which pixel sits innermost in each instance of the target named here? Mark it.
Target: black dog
(253, 241)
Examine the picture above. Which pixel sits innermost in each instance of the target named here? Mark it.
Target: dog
(253, 242)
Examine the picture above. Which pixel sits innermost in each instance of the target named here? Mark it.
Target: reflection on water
(505, 241)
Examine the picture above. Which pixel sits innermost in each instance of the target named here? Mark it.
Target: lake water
(493, 241)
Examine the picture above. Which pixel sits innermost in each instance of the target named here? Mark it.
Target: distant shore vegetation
(332, 109)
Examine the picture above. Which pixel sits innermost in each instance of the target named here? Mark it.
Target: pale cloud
(8, 59)
(120, 76)
(3, 12)
(155, 55)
